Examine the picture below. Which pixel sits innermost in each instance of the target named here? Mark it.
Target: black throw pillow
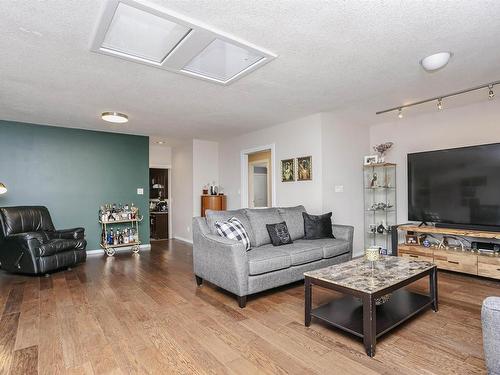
(317, 226)
(279, 234)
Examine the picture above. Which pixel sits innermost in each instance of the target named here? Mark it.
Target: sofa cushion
(58, 246)
(213, 216)
(331, 247)
(267, 259)
(301, 253)
(294, 220)
(258, 219)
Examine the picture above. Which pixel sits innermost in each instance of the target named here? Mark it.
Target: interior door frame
(244, 173)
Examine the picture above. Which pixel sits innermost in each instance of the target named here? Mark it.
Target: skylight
(222, 61)
(150, 35)
(142, 34)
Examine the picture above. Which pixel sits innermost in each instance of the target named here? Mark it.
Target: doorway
(159, 203)
(258, 177)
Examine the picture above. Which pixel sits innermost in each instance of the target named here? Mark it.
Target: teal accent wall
(73, 172)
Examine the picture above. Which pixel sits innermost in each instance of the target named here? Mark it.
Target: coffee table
(363, 283)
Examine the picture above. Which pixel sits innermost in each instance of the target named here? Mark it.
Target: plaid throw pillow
(233, 230)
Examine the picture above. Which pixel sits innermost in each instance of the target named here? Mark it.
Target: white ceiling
(332, 55)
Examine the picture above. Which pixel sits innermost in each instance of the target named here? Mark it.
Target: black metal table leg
(308, 302)
(433, 284)
(369, 324)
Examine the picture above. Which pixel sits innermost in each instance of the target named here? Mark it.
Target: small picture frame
(371, 159)
(304, 168)
(288, 170)
(411, 239)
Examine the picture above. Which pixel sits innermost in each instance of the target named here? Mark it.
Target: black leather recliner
(30, 244)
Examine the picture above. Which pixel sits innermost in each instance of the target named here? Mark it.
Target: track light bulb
(440, 104)
(491, 94)
(400, 113)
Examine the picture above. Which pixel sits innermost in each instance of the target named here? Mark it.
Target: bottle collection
(113, 212)
(119, 237)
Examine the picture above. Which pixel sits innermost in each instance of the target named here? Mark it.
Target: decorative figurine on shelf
(382, 149)
(373, 183)
(381, 228)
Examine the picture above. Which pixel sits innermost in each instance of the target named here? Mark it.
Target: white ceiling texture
(331, 55)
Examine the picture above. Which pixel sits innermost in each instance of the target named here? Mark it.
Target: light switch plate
(140, 191)
(339, 188)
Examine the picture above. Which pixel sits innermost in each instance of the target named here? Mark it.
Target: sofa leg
(199, 280)
(242, 301)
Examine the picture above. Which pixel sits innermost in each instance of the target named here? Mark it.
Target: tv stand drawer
(456, 261)
(416, 256)
(488, 266)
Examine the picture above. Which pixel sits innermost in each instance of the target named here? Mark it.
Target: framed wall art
(304, 168)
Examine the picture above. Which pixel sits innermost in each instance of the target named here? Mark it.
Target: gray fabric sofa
(490, 317)
(227, 264)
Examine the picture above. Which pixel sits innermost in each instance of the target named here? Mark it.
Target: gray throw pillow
(317, 226)
(279, 234)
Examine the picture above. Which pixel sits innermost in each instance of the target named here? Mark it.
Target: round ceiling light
(115, 117)
(436, 61)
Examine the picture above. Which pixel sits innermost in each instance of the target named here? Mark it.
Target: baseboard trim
(183, 239)
(144, 247)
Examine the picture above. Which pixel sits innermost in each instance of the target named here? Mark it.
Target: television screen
(458, 186)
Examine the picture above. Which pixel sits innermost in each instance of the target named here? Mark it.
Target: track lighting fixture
(440, 98)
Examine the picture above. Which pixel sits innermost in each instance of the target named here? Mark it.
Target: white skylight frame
(191, 45)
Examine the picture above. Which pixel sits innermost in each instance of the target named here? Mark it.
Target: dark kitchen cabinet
(159, 225)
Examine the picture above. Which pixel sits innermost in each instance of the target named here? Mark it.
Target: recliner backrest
(22, 219)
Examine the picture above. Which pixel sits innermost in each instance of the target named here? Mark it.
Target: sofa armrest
(344, 232)
(219, 260)
(68, 234)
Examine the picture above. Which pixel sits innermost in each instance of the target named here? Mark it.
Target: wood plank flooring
(143, 314)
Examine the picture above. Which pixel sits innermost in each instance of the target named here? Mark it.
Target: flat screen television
(457, 188)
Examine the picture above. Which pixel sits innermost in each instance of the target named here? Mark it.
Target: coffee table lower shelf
(346, 313)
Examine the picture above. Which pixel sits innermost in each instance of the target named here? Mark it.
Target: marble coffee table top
(358, 273)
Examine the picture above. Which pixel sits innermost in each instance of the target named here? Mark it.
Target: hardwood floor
(144, 314)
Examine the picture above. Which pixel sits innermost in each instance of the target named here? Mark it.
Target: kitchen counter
(158, 212)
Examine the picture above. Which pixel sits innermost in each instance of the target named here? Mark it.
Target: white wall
(181, 202)
(344, 145)
(160, 156)
(463, 126)
(297, 138)
(337, 147)
(205, 169)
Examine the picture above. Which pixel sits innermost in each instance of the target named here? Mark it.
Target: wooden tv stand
(469, 261)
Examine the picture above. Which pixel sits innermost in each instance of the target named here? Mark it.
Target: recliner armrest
(41, 237)
(68, 234)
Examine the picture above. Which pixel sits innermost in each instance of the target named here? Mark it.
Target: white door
(260, 190)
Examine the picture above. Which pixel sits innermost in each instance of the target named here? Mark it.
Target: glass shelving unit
(379, 204)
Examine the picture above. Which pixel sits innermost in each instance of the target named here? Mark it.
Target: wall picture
(304, 166)
(288, 170)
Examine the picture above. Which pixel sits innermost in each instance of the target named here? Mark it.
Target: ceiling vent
(147, 34)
